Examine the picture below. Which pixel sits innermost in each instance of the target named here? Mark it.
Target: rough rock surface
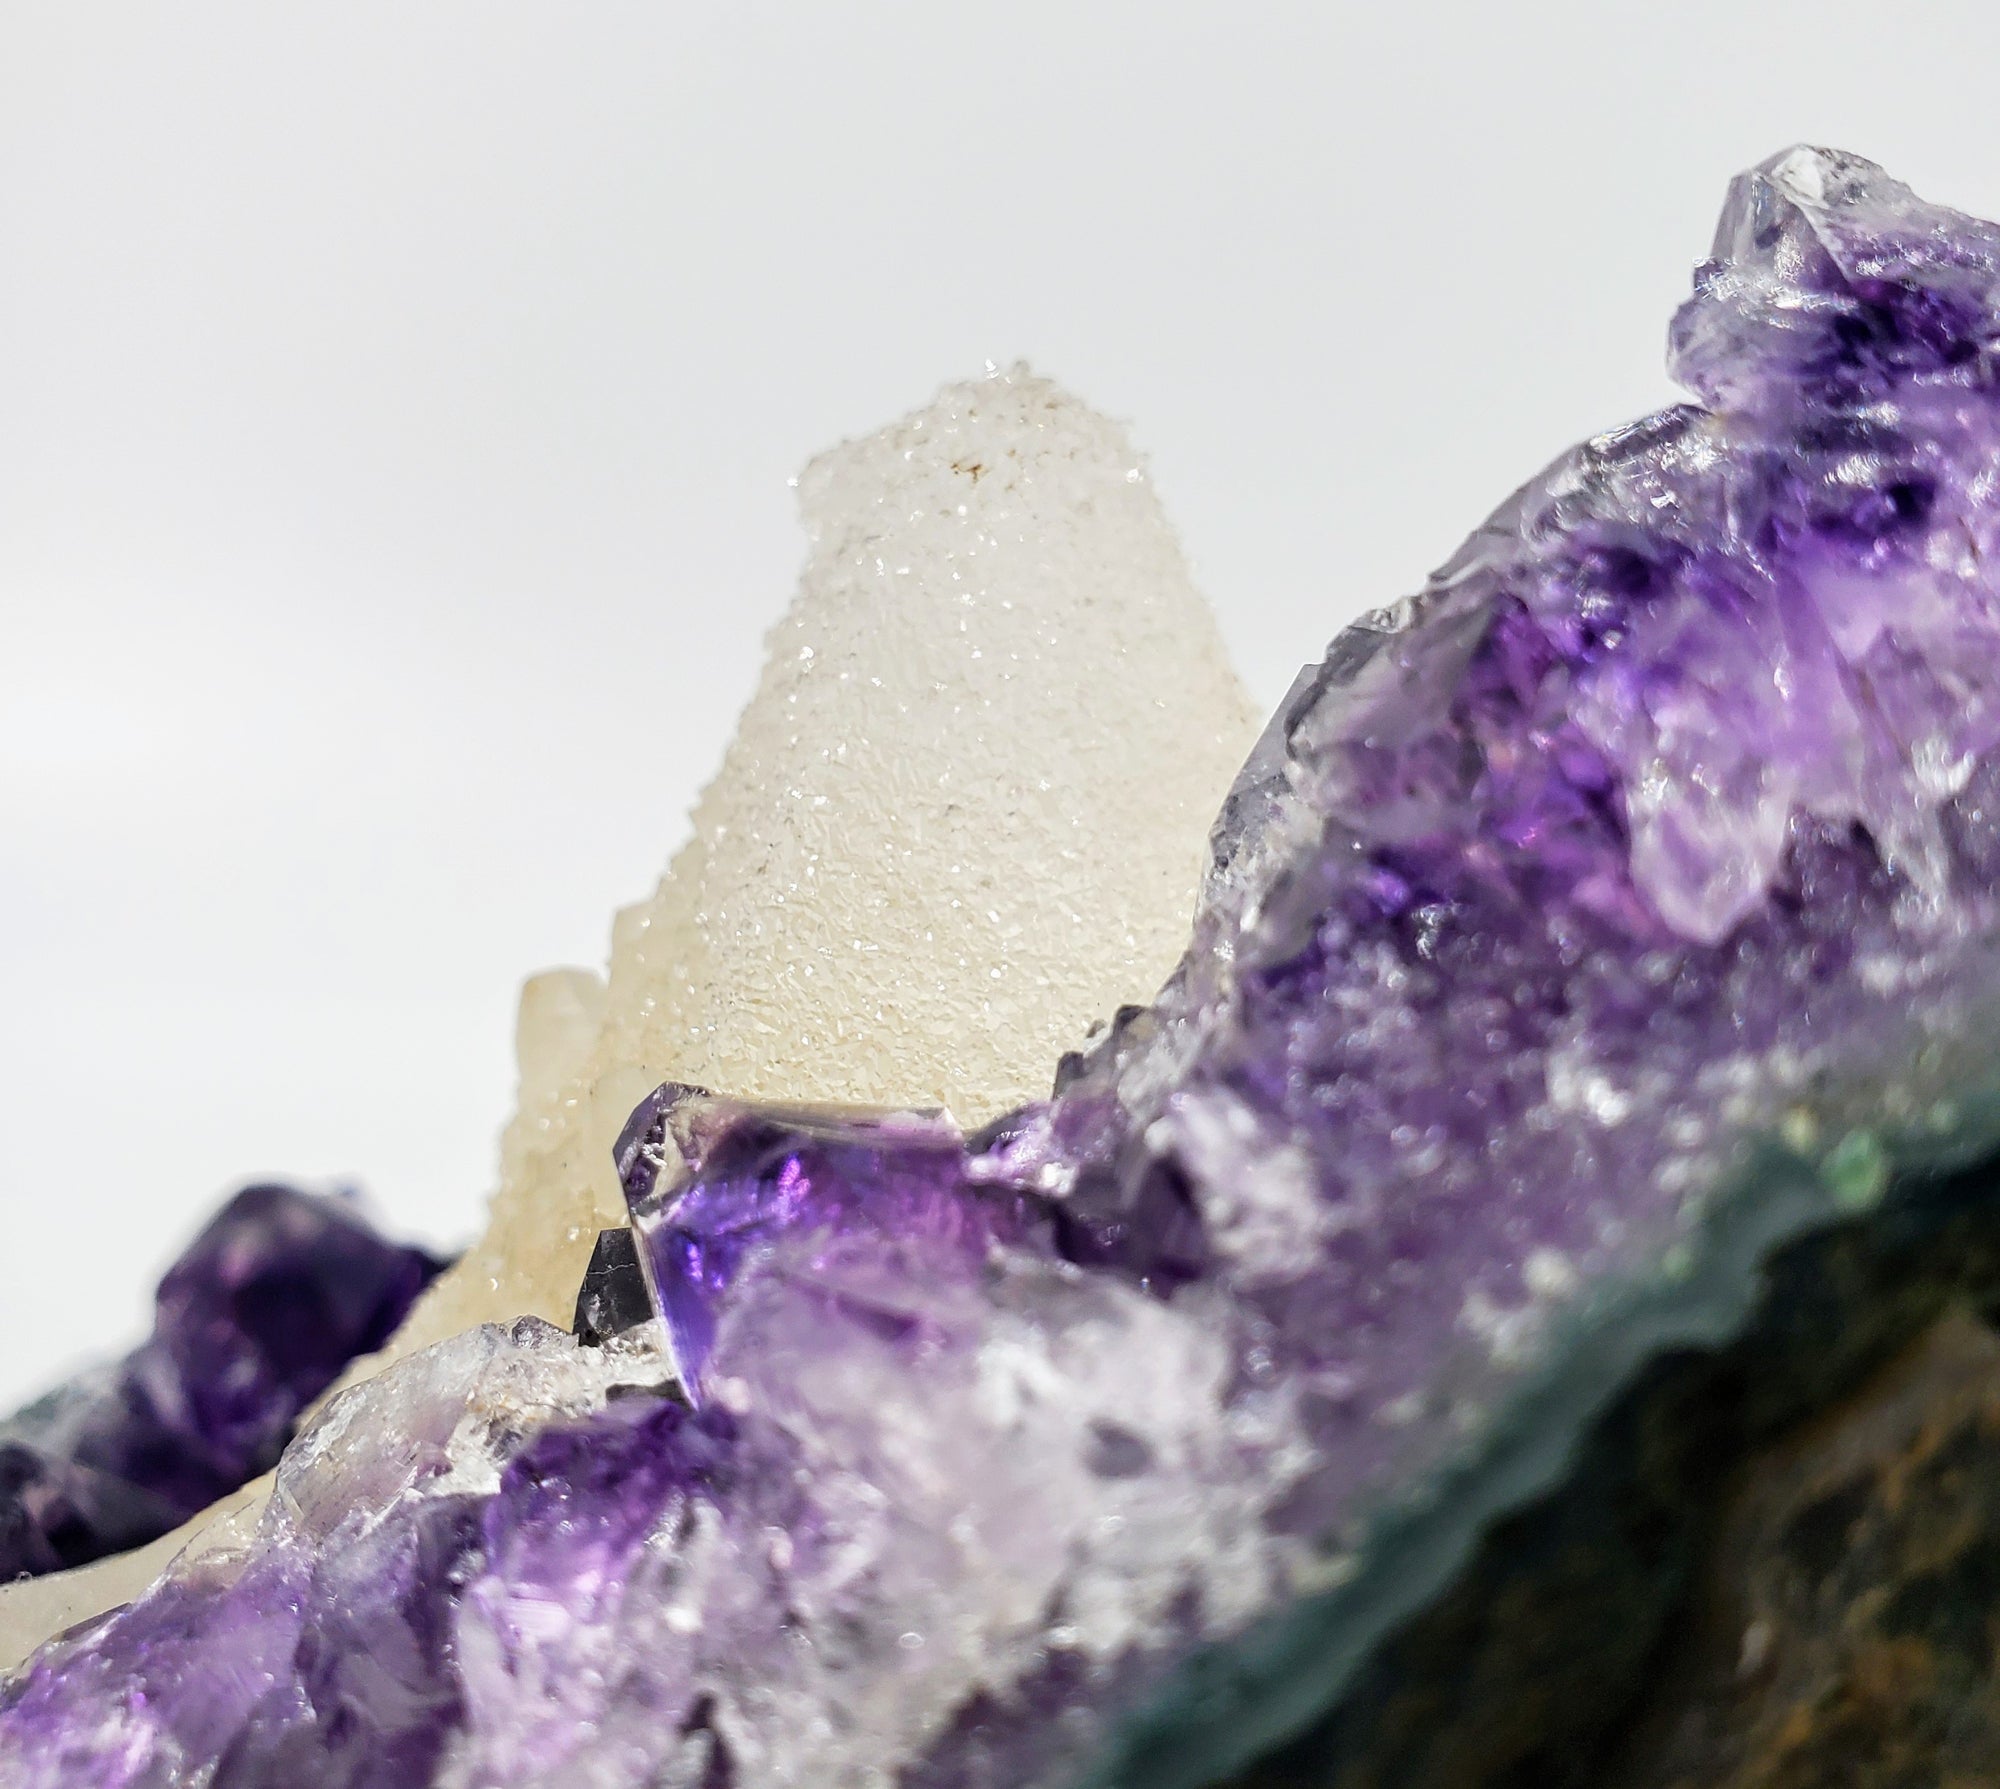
(1589, 943)
(1844, 1626)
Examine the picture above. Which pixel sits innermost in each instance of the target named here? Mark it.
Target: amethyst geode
(1587, 943)
(254, 1321)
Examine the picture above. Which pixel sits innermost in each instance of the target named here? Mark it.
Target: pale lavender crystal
(996, 1477)
(1620, 907)
(328, 1654)
(258, 1317)
(1665, 817)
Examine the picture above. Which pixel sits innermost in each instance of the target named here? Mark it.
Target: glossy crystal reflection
(849, 1199)
(1618, 910)
(254, 1321)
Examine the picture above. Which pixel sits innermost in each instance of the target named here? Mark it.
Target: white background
(397, 402)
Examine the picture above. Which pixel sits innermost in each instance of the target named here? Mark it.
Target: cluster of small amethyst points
(1664, 826)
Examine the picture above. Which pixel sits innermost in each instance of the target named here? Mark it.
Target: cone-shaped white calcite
(962, 820)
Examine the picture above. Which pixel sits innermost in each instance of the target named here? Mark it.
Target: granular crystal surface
(1615, 914)
(960, 823)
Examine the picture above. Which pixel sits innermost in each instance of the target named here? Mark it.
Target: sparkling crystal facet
(253, 1322)
(1620, 909)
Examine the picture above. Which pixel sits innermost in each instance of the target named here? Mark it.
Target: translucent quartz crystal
(257, 1318)
(961, 821)
(1108, 1443)
(352, 1571)
(908, 1450)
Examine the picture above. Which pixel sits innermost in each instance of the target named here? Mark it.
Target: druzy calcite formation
(962, 818)
(1584, 1054)
(960, 821)
(256, 1319)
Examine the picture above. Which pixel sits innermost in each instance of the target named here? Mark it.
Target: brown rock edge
(1774, 1564)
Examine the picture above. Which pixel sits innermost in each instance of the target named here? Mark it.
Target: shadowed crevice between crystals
(259, 1316)
(1584, 939)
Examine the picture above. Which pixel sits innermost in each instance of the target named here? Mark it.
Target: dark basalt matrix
(1510, 1311)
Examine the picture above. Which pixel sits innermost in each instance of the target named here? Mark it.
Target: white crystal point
(962, 820)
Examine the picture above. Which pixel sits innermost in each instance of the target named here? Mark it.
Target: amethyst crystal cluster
(1618, 910)
(253, 1322)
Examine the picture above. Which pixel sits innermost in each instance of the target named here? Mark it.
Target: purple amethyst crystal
(1588, 943)
(253, 1322)
(868, 1204)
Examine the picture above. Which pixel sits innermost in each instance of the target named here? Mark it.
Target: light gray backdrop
(397, 402)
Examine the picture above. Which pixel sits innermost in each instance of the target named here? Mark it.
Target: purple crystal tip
(1620, 909)
(256, 1319)
(722, 1191)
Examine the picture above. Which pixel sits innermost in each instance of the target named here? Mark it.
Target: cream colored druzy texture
(962, 820)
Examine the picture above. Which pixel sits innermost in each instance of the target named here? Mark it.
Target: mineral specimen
(961, 820)
(1584, 1052)
(1618, 909)
(1843, 1631)
(613, 1298)
(329, 1651)
(254, 1321)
